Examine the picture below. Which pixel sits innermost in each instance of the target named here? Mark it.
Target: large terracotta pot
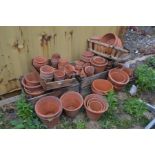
(95, 106)
(112, 39)
(59, 75)
(102, 86)
(32, 79)
(71, 102)
(118, 78)
(49, 109)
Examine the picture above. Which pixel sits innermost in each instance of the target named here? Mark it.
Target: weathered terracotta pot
(39, 61)
(112, 39)
(89, 70)
(118, 78)
(71, 102)
(46, 72)
(99, 67)
(95, 106)
(98, 60)
(30, 88)
(49, 109)
(59, 75)
(32, 79)
(69, 70)
(102, 86)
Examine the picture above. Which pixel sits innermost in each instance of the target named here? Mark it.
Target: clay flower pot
(118, 78)
(32, 79)
(99, 67)
(86, 56)
(102, 86)
(62, 63)
(46, 72)
(59, 75)
(95, 106)
(89, 70)
(98, 60)
(34, 93)
(69, 70)
(71, 102)
(49, 109)
(112, 39)
(79, 64)
(55, 60)
(39, 61)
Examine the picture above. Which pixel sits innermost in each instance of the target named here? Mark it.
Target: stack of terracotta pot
(31, 84)
(87, 56)
(118, 78)
(39, 61)
(95, 106)
(49, 109)
(101, 86)
(46, 72)
(55, 60)
(99, 63)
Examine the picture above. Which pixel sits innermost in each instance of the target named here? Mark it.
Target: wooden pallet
(108, 51)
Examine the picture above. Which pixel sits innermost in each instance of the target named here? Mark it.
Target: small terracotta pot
(98, 60)
(69, 70)
(102, 86)
(89, 70)
(71, 102)
(59, 75)
(32, 79)
(48, 109)
(39, 61)
(96, 109)
(34, 93)
(46, 72)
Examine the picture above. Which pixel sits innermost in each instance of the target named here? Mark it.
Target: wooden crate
(108, 51)
(56, 92)
(55, 84)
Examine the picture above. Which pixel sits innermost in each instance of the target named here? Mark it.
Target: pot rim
(51, 115)
(72, 92)
(98, 65)
(95, 57)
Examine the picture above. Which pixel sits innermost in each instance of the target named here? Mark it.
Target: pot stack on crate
(63, 86)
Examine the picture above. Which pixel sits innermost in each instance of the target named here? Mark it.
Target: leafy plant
(151, 61)
(135, 107)
(26, 117)
(80, 124)
(145, 78)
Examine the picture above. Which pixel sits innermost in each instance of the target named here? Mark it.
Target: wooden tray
(56, 92)
(108, 51)
(55, 84)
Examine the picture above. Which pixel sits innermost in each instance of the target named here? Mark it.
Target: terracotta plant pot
(98, 60)
(95, 106)
(112, 39)
(89, 70)
(71, 102)
(86, 56)
(49, 109)
(32, 79)
(118, 78)
(69, 70)
(79, 64)
(55, 60)
(59, 75)
(34, 93)
(99, 67)
(39, 61)
(46, 72)
(62, 63)
(102, 86)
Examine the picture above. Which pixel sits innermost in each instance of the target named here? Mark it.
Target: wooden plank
(9, 100)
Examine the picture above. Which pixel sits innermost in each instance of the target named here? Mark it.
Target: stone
(93, 125)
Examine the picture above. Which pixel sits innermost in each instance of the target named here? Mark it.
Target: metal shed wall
(18, 45)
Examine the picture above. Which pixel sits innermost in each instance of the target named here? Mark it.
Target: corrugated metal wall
(18, 45)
